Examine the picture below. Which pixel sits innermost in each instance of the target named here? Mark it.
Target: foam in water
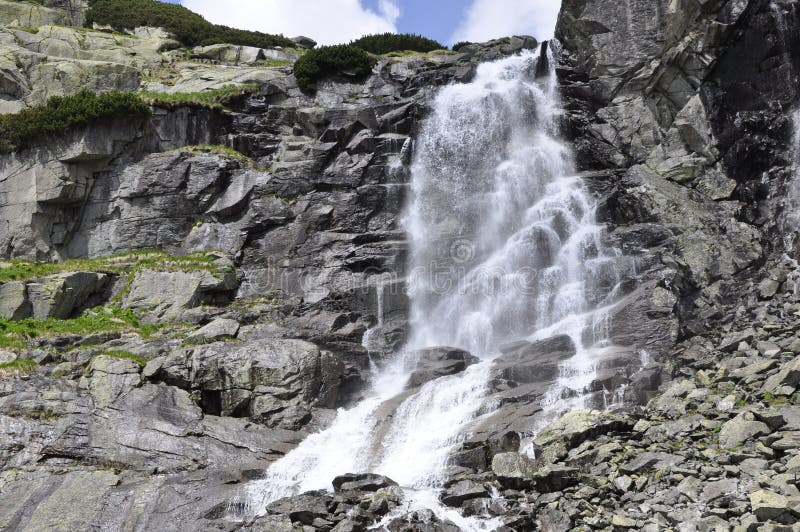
(504, 246)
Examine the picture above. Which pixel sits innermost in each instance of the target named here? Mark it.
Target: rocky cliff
(186, 296)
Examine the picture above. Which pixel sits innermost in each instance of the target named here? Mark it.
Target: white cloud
(326, 21)
(490, 19)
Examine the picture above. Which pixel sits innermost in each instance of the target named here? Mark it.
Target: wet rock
(303, 509)
(362, 482)
(439, 362)
(462, 491)
(526, 362)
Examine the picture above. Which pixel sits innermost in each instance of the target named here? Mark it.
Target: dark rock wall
(682, 112)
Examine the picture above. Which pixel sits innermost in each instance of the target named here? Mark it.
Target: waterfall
(504, 247)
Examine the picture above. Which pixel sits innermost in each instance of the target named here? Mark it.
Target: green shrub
(17, 131)
(393, 42)
(327, 61)
(187, 26)
(459, 45)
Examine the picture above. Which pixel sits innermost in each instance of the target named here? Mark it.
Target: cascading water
(504, 246)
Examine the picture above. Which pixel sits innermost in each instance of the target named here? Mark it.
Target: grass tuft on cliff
(16, 334)
(123, 263)
(188, 27)
(385, 43)
(18, 131)
(212, 98)
(327, 61)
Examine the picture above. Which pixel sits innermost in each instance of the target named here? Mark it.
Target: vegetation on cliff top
(188, 27)
(18, 131)
(328, 61)
(392, 42)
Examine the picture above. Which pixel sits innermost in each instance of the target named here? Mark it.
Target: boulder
(459, 492)
(768, 505)
(218, 329)
(740, 429)
(362, 482)
(168, 296)
(439, 362)
(303, 509)
(60, 296)
(555, 477)
(555, 440)
(14, 302)
(787, 375)
(304, 42)
(275, 381)
(513, 470)
(650, 461)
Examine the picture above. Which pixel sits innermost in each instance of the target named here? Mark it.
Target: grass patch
(18, 131)
(26, 30)
(119, 354)
(20, 366)
(213, 98)
(123, 263)
(217, 149)
(17, 334)
(100, 319)
(274, 62)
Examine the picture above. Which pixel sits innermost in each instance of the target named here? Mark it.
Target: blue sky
(332, 21)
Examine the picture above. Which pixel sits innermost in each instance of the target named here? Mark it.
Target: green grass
(274, 62)
(213, 98)
(123, 355)
(26, 30)
(20, 366)
(217, 149)
(123, 263)
(17, 334)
